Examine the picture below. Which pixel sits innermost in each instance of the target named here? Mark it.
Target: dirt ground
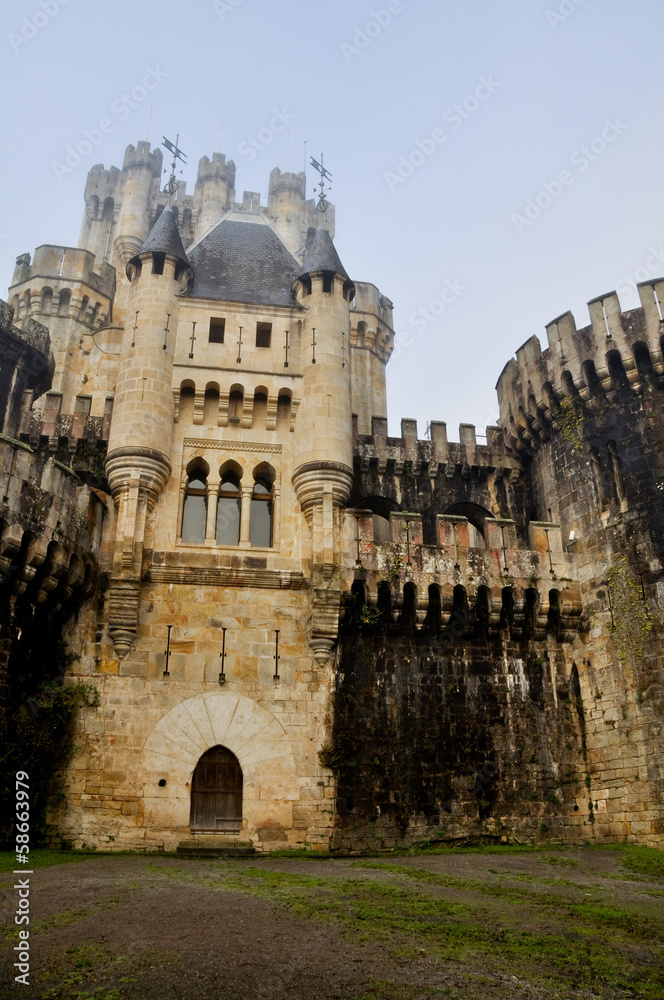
(533, 926)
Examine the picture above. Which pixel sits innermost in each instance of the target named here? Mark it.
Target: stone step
(216, 847)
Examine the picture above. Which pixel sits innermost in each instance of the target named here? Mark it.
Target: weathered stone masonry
(422, 639)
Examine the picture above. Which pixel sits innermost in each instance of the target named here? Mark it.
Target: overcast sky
(495, 162)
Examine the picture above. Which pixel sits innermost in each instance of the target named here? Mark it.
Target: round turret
(142, 424)
(324, 443)
(215, 181)
(286, 206)
(140, 170)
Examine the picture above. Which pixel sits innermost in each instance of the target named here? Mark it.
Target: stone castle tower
(301, 630)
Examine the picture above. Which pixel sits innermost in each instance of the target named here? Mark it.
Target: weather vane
(172, 147)
(322, 205)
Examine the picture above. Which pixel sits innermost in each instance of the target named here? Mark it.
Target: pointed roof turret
(164, 237)
(321, 254)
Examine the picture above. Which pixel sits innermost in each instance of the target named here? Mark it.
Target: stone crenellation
(586, 363)
(435, 452)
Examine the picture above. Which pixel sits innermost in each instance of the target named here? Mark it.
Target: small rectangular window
(263, 334)
(217, 327)
(158, 260)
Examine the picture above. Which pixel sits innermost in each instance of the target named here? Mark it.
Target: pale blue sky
(551, 81)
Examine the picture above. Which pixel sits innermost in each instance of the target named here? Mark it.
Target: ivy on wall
(571, 422)
(632, 622)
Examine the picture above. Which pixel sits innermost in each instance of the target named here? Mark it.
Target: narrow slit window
(158, 263)
(263, 334)
(217, 329)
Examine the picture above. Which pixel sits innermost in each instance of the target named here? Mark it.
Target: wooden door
(216, 793)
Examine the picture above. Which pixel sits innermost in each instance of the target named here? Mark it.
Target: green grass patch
(43, 858)
(551, 859)
(561, 941)
(644, 861)
(90, 972)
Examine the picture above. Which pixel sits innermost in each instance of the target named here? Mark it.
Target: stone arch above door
(250, 731)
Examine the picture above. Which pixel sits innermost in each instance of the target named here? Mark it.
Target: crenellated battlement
(65, 265)
(369, 299)
(141, 156)
(217, 167)
(372, 321)
(285, 181)
(62, 285)
(507, 589)
(590, 362)
(434, 454)
(67, 434)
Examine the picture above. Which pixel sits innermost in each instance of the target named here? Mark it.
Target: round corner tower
(137, 464)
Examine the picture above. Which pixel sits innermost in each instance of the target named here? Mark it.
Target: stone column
(211, 520)
(245, 516)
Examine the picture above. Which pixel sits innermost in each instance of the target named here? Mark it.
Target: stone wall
(440, 738)
(585, 415)
(149, 728)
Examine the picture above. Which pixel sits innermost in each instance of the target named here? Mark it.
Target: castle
(301, 631)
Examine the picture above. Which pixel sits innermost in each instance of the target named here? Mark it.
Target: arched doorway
(216, 793)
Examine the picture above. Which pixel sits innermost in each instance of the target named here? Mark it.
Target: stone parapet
(616, 347)
(434, 454)
(526, 591)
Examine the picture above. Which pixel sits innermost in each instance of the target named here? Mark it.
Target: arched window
(235, 406)
(216, 793)
(195, 507)
(229, 508)
(284, 407)
(260, 533)
(63, 302)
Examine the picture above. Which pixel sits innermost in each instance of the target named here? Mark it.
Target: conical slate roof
(164, 237)
(322, 255)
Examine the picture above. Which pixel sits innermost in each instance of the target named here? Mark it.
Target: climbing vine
(571, 422)
(397, 563)
(370, 615)
(632, 622)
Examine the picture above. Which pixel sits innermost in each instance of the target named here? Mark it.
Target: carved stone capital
(123, 614)
(149, 467)
(314, 479)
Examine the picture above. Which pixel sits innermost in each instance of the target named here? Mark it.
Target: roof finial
(322, 205)
(172, 147)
